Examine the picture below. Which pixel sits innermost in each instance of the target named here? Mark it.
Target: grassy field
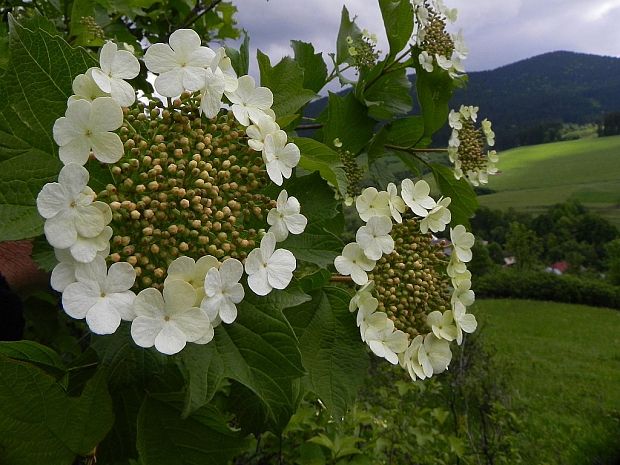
(564, 361)
(535, 177)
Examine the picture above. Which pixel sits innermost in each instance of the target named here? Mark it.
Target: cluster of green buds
(93, 27)
(352, 170)
(185, 186)
(469, 145)
(362, 50)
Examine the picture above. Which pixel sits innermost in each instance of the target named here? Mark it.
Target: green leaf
(43, 254)
(39, 423)
(347, 119)
(313, 65)
(240, 59)
(316, 156)
(434, 94)
(82, 33)
(398, 21)
(315, 245)
(348, 28)
(165, 438)
(286, 81)
(35, 353)
(405, 132)
(332, 350)
(464, 201)
(389, 96)
(33, 94)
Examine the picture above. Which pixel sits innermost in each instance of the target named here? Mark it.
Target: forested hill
(533, 94)
(562, 87)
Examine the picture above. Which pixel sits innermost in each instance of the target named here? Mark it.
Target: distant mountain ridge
(555, 87)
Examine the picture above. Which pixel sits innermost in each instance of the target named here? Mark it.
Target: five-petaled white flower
(385, 342)
(85, 88)
(465, 322)
(374, 238)
(285, 218)
(396, 203)
(416, 196)
(86, 126)
(181, 65)
(170, 321)
(67, 206)
(462, 242)
(268, 268)
(438, 218)
(250, 102)
(259, 130)
(192, 272)
(116, 66)
(442, 324)
(372, 202)
(355, 263)
(100, 295)
(280, 157)
(223, 290)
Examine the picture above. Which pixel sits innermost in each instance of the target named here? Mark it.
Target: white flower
(451, 14)
(426, 61)
(268, 268)
(454, 139)
(469, 112)
(249, 101)
(181, 65)
(465, 322)
(488, 132)
(366, 289)
(259, 130)
(457, 68)
(101, 296)
(279, 156)
(286, 218)
(409, 359)
(221, 66)
(373, 203)
(422, 14)
(63, 273)
(385, 342)
(85, 249)
(354, 262)
(192, 272)
(416, 196)
(211, 94)
(86, 126)
(454, 120)
(170, 321)
(223, 291)
(368, 317)
(85, 88)
(67, 206)
(462, 241)
(456, 267)
(396, 204)
(438, 218)
(443, 62)
(442, 324)
(462, 295)
(434, 355)
(460, 48)
(116, 66)
(374, 238)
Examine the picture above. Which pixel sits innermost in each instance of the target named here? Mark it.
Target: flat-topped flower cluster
(172, 216)
(415, 304)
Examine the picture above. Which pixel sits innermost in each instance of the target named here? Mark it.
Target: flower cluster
(436, 46)
(413, 298)
(183, 216)
(362, 50)
(468, 147)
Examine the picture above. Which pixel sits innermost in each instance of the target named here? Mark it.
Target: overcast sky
(498, 32)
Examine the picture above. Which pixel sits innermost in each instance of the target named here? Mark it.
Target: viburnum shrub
(198, 235)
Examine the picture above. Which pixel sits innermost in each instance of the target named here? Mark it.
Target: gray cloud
(497, 32)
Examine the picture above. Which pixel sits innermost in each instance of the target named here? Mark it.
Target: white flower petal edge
(353, 262)
(372, 202)
(116, 66)
(223, 290)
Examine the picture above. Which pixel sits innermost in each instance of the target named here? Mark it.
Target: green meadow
(534, 177)
(564, 364)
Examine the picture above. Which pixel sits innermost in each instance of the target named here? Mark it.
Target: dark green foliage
(540, 285)
(613, 261)
(610, 126)
(524, 245)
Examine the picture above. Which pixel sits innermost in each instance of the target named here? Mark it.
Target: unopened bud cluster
(353, 172)
(185, 186)
(411, 281)
(435, 40)
(363, 50)
(93, 28)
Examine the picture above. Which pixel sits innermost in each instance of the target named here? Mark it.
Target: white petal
(170, 340)
(122, 92)
(121, 276)
(178, 295)
(182, 268)
(254, 261)
(193, 322)
(102, 318)
(102, 80)
(122, 302)
(274, 171)
(159, 58)
(149, 303)
(241, 114)
(107, 147)
(213, 283)
(125, 65)
(259, 282)
(75, 151)
(63, 274)
(52, 199)
(78, 298)
(105, 115)
(88, 221)
(193, 78)
(144, 330)
(231, 271)
(74, 178)
(261, 98)
(170, 83)
(280, 268)
(228, 311)
(60, 231)
(184, 41)
(268, 245)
